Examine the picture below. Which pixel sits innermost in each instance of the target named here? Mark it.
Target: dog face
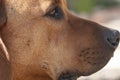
(44, 39)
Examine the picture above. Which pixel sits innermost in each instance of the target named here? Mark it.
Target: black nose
(113, 38)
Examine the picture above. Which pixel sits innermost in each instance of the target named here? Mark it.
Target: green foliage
(89, 5)
(106, 3)
(81, 5)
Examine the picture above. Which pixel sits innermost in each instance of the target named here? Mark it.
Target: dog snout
(113, 38)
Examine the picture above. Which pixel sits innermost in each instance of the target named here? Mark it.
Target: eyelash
(55, 13)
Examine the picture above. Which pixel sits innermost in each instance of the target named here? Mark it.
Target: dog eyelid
(55, 12)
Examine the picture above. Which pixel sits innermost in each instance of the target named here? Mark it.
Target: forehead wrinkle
(56, 0)
(51, 0)
(47, 4)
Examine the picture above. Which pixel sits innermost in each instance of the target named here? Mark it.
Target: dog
(42, 40)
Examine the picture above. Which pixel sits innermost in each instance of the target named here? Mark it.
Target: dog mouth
(69, 75)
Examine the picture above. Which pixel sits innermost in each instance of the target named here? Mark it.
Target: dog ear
(5, 66)
(2, 13)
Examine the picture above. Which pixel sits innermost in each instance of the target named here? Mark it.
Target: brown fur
(39, 47)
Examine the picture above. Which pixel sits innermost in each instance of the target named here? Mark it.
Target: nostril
(113, 43)
(117, 40)
(114, 38)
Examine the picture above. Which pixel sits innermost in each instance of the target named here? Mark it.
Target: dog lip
(69, 76)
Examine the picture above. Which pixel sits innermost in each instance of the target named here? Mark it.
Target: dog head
(44, 39)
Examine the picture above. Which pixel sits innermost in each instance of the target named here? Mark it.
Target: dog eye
(55, 13)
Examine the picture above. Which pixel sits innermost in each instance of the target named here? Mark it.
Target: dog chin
(69, 75)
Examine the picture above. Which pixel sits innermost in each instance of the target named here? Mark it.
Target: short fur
(36, 46)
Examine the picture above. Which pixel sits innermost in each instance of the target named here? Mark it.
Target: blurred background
(105, 12)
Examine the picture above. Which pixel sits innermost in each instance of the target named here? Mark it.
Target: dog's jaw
(69, 75)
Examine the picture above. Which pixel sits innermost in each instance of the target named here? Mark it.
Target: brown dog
(42, 40)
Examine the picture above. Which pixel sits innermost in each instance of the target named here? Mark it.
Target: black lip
(69, 76)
